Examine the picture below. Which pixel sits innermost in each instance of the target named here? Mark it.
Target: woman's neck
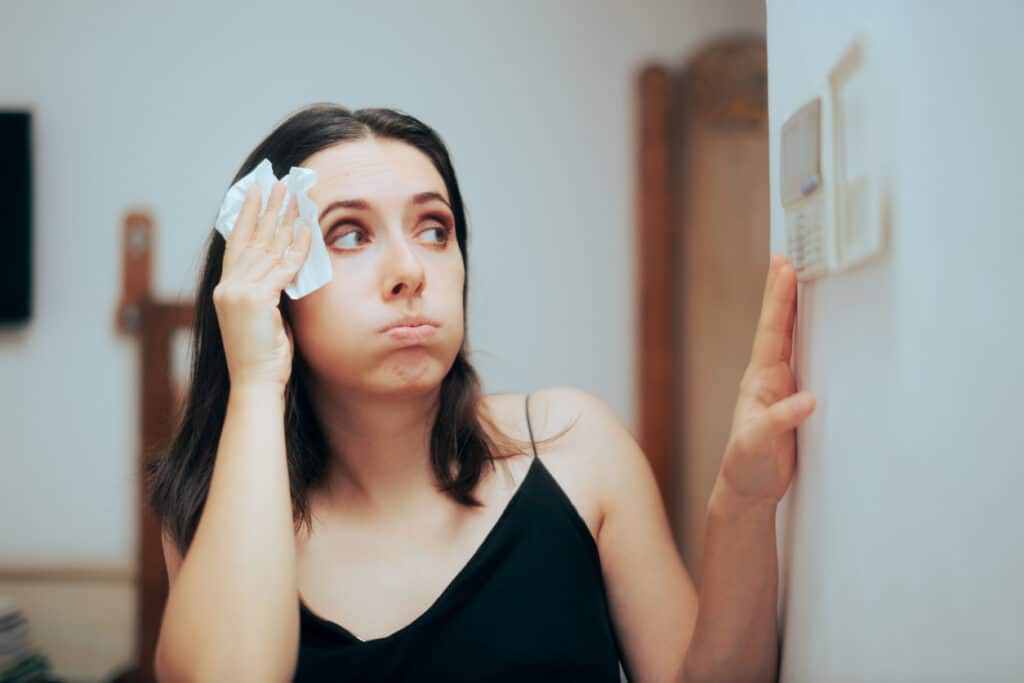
(379, 451)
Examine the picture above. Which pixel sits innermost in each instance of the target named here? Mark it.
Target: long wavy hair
(178, 476)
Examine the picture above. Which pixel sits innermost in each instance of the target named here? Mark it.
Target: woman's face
(390, 235)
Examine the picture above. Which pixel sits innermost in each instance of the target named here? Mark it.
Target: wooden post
(154, 324)
(655, 344)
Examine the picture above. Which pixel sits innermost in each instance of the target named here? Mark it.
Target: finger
(773, 266)
(260, 265)
(291, 214)
(272, 259)
(268, 222)
(770, 338)
(787, 349)
(293, 258)
(285, 232)
(244, 225)
(782, 416)
(299, 248)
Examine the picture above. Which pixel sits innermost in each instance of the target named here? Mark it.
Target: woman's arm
(728, 632)
(736, 637)
(668, 632)
(232, 612)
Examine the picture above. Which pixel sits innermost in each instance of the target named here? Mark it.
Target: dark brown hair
(178, 477)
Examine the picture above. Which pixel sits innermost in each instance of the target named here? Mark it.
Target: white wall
(140, 104)
(900, 544)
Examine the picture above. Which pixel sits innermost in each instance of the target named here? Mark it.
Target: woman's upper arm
(651, 595)
(172, 558)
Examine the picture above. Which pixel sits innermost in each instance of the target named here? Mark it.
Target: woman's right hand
(260, 259)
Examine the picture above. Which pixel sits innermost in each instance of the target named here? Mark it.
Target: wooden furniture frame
(655, 361)
(154, 323)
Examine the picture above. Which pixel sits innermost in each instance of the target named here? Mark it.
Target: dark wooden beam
(655, 284)
(154, 324)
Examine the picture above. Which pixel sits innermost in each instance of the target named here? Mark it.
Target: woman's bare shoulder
(552, 409)
(574, 458)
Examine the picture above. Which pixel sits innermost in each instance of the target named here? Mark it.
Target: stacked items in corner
(18, 663)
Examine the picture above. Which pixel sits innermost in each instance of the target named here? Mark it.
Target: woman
(341, 502)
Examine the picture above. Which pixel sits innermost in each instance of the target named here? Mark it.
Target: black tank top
(529, 605)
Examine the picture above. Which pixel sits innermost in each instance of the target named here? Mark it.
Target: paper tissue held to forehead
(316, 271)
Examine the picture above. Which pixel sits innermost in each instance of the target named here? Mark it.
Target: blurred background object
(18, 661)
(702, 200)
(16, 217)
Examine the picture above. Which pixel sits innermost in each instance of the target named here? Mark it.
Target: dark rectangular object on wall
(15, 216)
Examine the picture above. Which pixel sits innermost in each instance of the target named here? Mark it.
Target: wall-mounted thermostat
(830, 172)
(808, 240)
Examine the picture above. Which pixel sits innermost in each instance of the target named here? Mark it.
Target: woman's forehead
(372, 168)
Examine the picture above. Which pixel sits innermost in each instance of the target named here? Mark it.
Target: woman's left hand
(760, 456)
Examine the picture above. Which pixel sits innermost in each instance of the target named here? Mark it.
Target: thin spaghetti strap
(529, 427)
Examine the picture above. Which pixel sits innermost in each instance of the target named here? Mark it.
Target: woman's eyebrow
(424, 197)
(363, 205)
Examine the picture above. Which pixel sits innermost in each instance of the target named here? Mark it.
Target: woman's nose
(404, 270)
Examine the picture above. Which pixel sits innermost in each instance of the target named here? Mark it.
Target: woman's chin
(410, 371)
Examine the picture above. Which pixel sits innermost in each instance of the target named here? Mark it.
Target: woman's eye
(338, 236)
(356, 235)
(442, 232)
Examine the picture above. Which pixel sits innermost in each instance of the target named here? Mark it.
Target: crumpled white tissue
(316, 271)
